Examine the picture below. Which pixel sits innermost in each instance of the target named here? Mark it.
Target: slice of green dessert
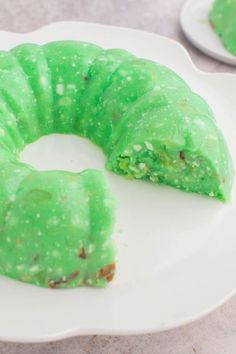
(177, 144)
(57, 234)
(223, 19)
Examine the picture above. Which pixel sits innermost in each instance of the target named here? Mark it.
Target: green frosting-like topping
(223, 20)
(55, 226)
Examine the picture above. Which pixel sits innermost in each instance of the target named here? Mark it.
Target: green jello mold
(56, 226)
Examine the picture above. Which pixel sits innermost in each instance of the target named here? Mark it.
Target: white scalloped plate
(176, 251)
(196, 26)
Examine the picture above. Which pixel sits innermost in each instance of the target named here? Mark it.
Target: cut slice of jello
(178, 146)
(57, 234)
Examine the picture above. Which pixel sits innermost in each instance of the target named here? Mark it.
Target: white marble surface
(214, 334)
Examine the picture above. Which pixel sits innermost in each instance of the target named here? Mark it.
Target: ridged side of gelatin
(32, 59)
(69, 63)
(99, 78)
(18, 94)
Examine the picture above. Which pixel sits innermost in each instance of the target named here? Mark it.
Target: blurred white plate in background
(197, 28)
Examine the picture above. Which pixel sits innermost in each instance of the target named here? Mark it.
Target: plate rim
(75, 332)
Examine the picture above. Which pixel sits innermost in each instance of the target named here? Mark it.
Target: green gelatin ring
(56, 226)
(223, 19)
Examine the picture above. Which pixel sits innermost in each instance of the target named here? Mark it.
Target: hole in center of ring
(63, 152)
